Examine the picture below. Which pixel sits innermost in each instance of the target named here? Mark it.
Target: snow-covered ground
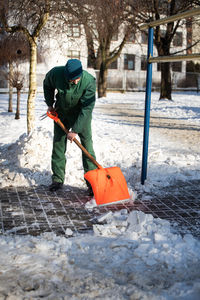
(131, 256)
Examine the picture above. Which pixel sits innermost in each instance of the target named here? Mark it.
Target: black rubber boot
(55, 186)
(90, 191)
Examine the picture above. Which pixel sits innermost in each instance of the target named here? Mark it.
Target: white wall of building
(59, 49)
(58, 54)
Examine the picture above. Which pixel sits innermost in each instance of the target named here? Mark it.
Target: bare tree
(103, 20)
(17, 81)
(14, 49)
(154, 10)
(27, 17)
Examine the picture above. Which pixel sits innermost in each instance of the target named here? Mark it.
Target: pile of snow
(26, 162)
(129, 256)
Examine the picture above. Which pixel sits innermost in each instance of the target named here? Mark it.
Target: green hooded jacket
(74, 102)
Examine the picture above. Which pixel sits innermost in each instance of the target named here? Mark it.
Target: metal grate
(36, 210)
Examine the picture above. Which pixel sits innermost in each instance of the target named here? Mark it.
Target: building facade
(127, 73)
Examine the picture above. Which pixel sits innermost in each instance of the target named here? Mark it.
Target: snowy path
(175, 131)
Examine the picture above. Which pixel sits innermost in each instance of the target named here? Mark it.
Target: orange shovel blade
(108, 185)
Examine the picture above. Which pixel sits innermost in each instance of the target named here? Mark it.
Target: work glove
(51, 109)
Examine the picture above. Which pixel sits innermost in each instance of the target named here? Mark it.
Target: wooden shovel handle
(58, 121)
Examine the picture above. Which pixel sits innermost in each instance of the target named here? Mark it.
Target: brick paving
(35, 210)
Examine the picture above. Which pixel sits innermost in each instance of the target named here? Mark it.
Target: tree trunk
(10, 101)
(102, 81)
(32, 87)
(18, 105)
(166, 85)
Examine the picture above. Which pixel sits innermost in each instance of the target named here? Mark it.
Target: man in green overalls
(75, 99)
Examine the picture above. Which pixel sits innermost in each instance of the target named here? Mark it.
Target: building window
(176, 66)
(115, 36)
(143, 62)
(162, 33)
(129, 62)
(73, 54)
(74, 30)
(113, 65)
(178, 39)
(144, 37)
(131, 38)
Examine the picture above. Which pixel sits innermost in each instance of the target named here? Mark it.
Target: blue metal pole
(147, 107)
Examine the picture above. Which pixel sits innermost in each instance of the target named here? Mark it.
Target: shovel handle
(54, 116)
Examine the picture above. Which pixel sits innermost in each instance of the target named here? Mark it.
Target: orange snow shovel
(108, 184)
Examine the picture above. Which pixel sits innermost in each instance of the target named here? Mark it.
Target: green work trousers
(58, 159)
